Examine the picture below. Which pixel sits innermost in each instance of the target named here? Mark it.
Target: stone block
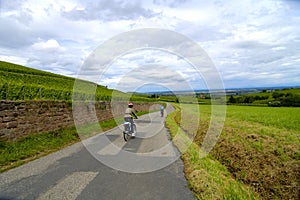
(13, 124)
(8, 119)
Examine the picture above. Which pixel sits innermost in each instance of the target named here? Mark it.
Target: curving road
(105, 167)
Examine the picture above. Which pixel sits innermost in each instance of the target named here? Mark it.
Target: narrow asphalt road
(105, 167)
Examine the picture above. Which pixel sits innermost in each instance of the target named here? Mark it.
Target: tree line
(276, 99)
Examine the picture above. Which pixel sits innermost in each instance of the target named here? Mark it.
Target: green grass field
(280, 117)
(258, 147)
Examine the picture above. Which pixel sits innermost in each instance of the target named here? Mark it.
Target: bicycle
(127, 133)
(162, 113)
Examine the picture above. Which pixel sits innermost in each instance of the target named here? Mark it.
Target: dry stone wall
(22, 118)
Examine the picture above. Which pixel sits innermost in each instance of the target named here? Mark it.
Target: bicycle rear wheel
(126, 136)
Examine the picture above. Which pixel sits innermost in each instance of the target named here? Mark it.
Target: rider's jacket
(129, 112)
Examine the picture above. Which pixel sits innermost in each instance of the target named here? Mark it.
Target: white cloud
(150, 66)
(162, 76)
(49, 46)
(108, 10)
(278, 48)
(14, 59)
(251, 42)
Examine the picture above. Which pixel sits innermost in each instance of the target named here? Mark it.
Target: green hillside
(23, 83)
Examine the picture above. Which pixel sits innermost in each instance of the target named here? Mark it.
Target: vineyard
(22, 83)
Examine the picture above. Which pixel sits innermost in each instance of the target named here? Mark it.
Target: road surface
(105, 167)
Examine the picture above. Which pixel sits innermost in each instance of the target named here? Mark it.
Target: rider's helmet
(130, 105)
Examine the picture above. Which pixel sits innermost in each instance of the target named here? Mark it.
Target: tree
(276, 95)
(231, 99)
(248, 99)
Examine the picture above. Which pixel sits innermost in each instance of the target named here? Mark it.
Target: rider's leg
(127, 119)
(132, 128)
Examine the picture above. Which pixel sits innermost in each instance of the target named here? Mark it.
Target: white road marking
(69, 187)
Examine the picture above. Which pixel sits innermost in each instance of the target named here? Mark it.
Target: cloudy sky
(250, 43)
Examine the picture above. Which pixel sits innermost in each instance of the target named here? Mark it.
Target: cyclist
(162, 110)
(128, 117)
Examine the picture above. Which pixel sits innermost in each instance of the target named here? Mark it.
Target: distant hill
(23, 83)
